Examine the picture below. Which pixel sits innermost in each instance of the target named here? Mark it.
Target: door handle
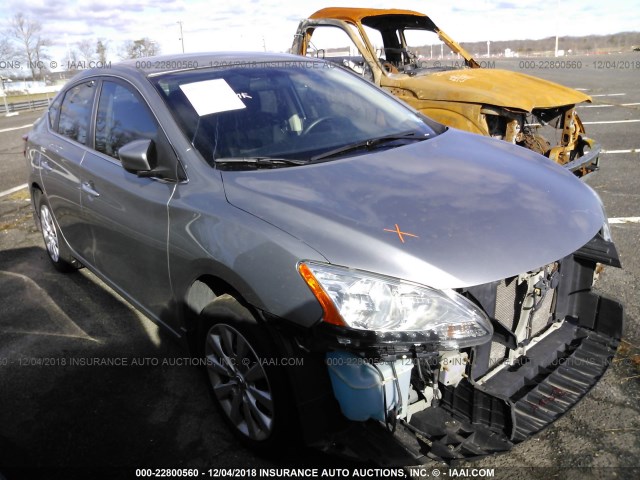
(45, 166)
(89, 189)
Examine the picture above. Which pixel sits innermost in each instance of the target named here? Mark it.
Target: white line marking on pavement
(619, 220)
(66, 327)
(12, 190)
(607, 105)
(611, 121)
(582, 89)
(632, 150)
(15, 128)
(608, 95)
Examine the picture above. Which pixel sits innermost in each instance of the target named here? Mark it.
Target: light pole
(181, 35)
(557, 24)
(4, 96)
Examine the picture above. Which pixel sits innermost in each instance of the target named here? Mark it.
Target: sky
(212, 25)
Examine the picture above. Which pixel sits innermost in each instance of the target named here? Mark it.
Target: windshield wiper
(369, 144)
(259, 162)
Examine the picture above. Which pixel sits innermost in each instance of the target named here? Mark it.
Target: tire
(56, 247)
(250, 391)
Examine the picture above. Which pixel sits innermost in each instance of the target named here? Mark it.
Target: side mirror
(138, 156)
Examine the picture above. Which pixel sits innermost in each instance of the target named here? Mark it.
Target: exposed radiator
(509, 300)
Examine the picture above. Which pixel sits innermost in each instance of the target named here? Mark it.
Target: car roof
(355, 15)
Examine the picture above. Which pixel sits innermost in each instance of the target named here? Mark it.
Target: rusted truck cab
(405, 53)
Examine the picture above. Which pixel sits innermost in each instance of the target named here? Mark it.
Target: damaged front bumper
(490, 417)
(485, 407)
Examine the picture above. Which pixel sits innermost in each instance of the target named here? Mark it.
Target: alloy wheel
(49, 233)
(240, 382)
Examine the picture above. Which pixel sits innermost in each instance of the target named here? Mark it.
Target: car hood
(492, 87)
(454, 211)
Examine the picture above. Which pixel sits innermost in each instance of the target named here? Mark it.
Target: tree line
(23, 40)
(587, 44)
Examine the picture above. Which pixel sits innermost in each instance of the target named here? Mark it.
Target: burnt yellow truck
(405, 53)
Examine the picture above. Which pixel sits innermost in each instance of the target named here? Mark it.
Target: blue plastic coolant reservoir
(358, 386)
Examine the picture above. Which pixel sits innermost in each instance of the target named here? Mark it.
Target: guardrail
(22, 106)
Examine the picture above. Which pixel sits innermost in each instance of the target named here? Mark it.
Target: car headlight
(367, 301)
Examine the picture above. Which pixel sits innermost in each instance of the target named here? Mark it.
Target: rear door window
(75, 112)
(54, 111)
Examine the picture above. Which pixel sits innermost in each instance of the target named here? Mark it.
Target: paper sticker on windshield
(212, 96)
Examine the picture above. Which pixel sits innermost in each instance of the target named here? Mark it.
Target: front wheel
(248, 385)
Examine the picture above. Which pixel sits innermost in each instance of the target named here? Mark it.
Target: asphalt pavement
(61, 414)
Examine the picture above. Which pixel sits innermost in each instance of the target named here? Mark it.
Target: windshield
(405, 43)
(426, 45)
(283, 111)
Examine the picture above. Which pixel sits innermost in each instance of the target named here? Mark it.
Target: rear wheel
(55, 245)
(247, 384)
